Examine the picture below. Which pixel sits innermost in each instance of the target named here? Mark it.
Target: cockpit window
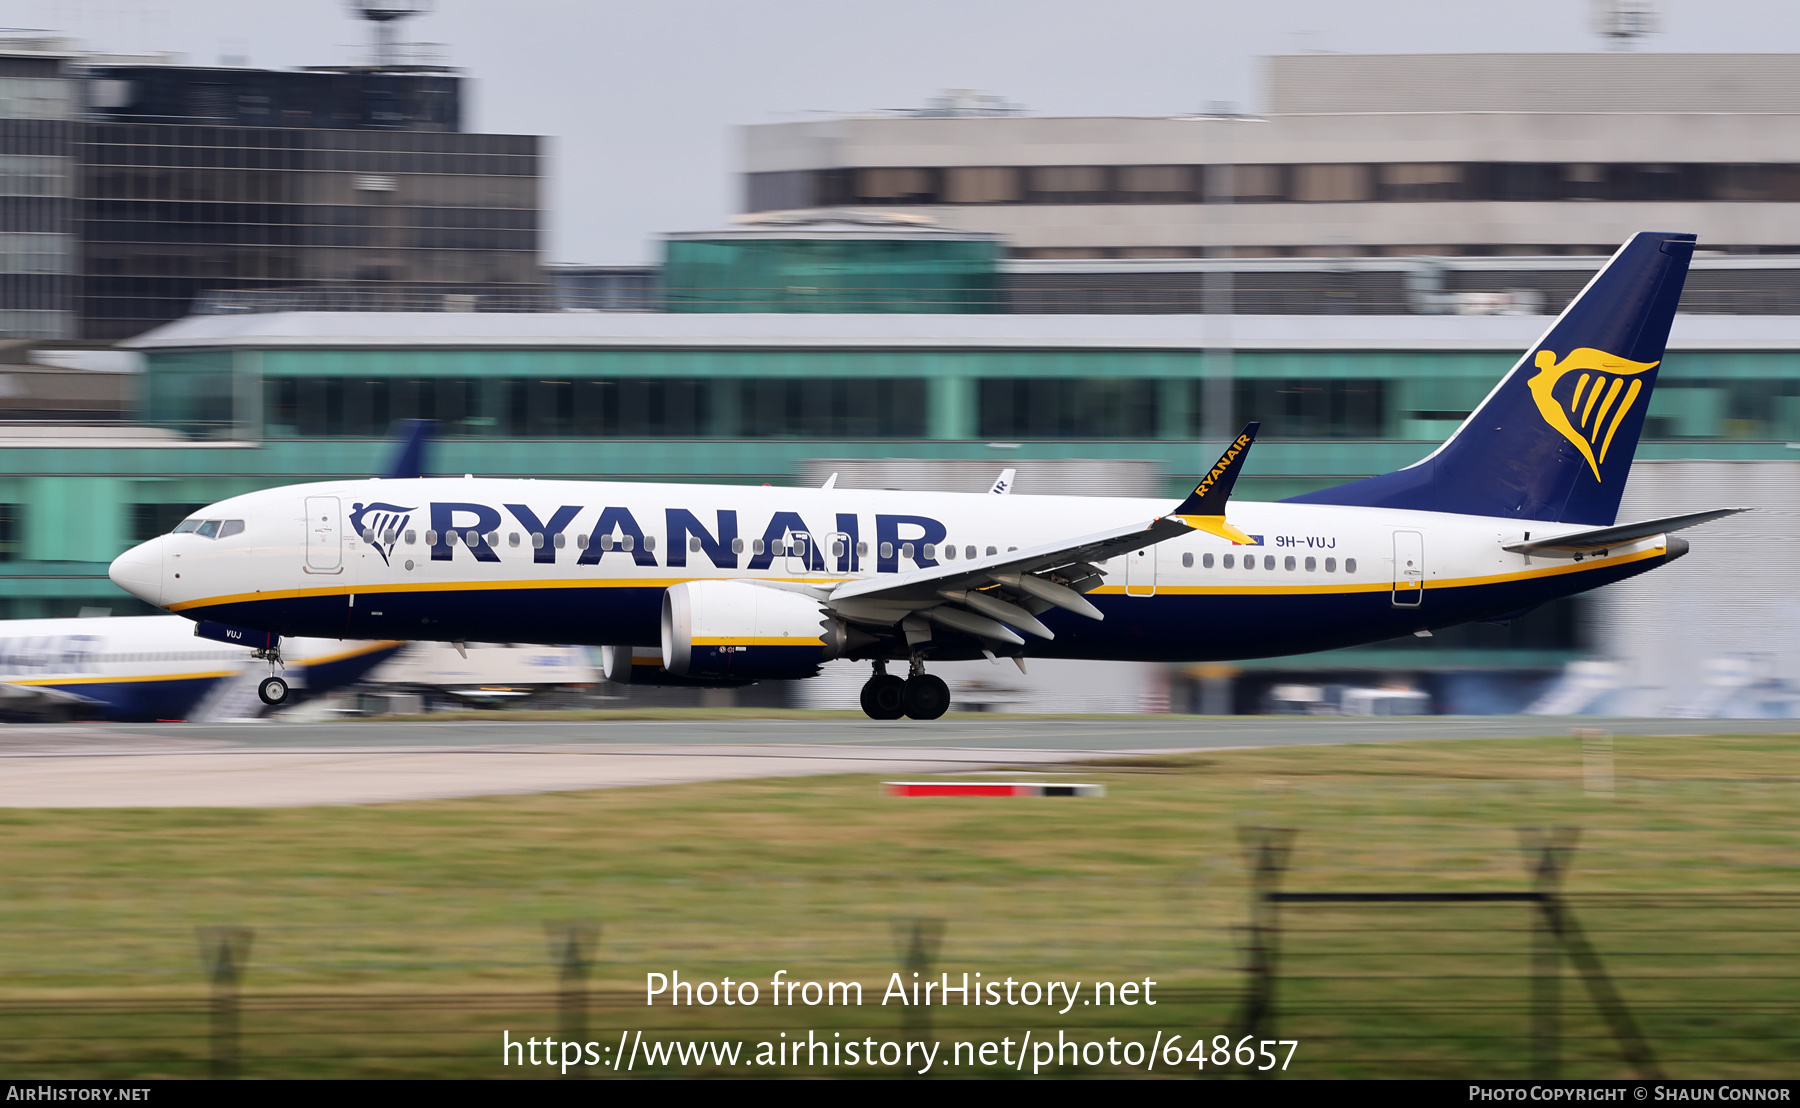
(210, 528)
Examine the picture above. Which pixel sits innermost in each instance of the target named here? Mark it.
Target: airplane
(700, 584)
(134, 669)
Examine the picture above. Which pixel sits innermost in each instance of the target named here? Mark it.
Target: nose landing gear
(273, 691)
(918, 696)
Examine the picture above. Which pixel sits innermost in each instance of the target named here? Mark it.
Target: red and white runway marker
(991, 788)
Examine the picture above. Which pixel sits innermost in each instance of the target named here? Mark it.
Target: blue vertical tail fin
(1554, 440)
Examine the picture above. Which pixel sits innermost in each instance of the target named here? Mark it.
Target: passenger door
(1409, 569)
(324, 535)
(1140, 572)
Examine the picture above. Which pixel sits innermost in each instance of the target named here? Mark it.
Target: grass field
(403, 939)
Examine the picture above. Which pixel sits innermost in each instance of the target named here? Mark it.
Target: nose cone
(139, 571)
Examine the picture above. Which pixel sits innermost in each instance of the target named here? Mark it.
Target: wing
(996, 597)
(981, 597)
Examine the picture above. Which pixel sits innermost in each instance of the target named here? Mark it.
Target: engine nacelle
(733, 629)
(643, 665)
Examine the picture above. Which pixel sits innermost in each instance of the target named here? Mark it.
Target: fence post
(571, 946)
(917, 941)
(224, 951)
(1266, 851)
(1547, 854)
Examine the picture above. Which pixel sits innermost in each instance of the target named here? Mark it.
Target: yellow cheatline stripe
(122, 680)
(1388, 586)
(342, 655)
(473, 586)
(725, 640)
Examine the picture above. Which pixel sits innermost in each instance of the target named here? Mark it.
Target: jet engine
(734, 629)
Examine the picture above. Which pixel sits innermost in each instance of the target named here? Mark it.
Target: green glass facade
(931, 274)
(239, 416)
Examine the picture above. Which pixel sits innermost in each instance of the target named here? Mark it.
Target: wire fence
(1496, 973)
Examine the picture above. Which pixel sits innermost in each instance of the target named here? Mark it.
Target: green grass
(401, 939)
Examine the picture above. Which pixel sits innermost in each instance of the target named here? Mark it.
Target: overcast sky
(639, 98)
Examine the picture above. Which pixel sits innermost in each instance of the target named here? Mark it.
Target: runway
(270, 764)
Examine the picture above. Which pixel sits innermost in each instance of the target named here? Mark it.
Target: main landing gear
(917, 696)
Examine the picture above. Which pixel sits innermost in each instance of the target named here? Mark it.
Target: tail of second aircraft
(1554, 440)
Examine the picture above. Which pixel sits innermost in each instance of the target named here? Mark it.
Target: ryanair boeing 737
(699, 584)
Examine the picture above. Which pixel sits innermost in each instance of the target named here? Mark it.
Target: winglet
(1204, 509)
(409, 460)
(1004, 484)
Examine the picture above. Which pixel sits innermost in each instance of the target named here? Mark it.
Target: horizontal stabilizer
(1603, 537)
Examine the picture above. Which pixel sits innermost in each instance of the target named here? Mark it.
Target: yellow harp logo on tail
(1588, 413)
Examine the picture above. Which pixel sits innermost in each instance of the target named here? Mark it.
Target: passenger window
(1331, 565)
(991, 552)
(887, 550)
(1010, 549)
(862, 550)
(906, 550)
(209, 529)
(756, 546)
(431, 538)
(968, 552)
(606, 542)
(562, 540)
(1349, 565)
(472, 538)
(1206, 561)
(512, 538)
(581, 542)
(537, 540)
(837, 548)
(626, 542)
(1230, 560)
(1249, 561)
(1269, 561)
(737, 546)
(1288, 563)
(778, 549)
(368, 535)
(949, 552)
(493, 538)
(411, 537)
(1312, 564)
(185, 526)
(693, 544)
(929, 550)
(1187, 561)
(231, 527)
(649, 542)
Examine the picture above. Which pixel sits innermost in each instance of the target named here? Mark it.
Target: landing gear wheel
(926, 696)
(883, 697)
(273, 691)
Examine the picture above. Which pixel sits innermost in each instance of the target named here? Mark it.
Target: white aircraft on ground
(140, 668)
(729, 584)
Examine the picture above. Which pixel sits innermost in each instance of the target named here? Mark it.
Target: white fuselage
(1318, 576)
